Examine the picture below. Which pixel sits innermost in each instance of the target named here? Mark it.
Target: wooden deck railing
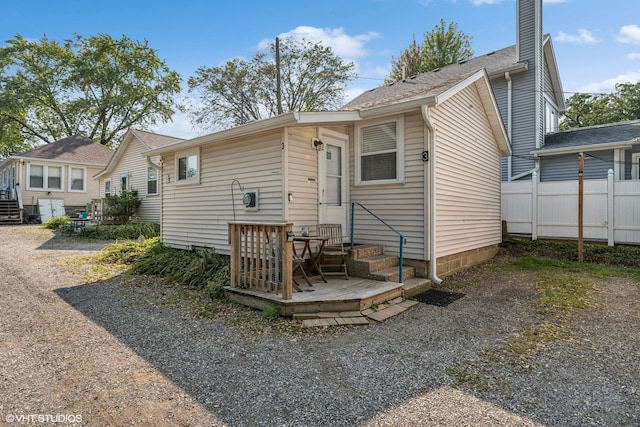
(261, 257)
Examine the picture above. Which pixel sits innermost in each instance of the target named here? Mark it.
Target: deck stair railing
(262, 257)
(402, 238)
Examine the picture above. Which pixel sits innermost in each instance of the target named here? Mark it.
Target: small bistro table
(313, 256)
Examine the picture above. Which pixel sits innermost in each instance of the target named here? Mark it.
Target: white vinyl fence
(550, 209)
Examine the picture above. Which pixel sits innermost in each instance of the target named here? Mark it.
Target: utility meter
(250, 199)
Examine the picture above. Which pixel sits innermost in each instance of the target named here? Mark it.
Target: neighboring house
(526, 84)
(61, 170)
(425, 161)
(614, 146)
(129, 169)
(547, 206)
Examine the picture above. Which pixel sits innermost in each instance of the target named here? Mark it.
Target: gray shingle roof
(602, 134)
(154, 140)
(435, 82)
(72, 149)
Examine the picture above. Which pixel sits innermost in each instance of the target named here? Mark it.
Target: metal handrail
(403, 239)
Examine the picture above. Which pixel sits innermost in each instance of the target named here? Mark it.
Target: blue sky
(597, 42)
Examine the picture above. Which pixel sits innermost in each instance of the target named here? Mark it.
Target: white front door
(332, 167)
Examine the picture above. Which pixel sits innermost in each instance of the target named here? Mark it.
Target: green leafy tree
(96, 86)
(443, 45)
(597, 109)
(313, 78)
(11, 140)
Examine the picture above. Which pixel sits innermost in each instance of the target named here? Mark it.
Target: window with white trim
(635, 165)
(42, 177)
(379, 152)
(124, 182)
(152, 180)
(54, 178)
(77, 179)
(188, 167)
(107, 187)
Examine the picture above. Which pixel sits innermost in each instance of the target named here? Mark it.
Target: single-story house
(55, 175)
(129, 169)
(614, 146)
(426, 162)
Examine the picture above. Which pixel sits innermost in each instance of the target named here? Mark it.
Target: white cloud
(609, 85)
(635, 55)
(629, 34)
(583, 37)
(344, 45)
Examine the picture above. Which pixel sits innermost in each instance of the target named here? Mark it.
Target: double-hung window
(379, 152)
(635, 166)
(42, 177)
(152, 180)
(77, 179)
(107, 187)
(188, 167)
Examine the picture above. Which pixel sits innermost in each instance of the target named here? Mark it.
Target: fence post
(610, 208)
(534, 205)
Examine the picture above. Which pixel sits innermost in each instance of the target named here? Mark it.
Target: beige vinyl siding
(302, 177)
(467, 176)
(400, 205)
(134, 164)
(198, 214)
(72, 199)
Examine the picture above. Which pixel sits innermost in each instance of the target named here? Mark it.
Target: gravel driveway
(103, 354)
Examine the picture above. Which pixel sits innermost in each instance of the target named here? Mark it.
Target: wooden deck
(337, 295)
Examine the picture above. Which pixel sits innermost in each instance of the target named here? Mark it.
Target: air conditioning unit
(250, 200)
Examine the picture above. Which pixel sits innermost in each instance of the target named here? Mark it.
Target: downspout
(160, 184)
(509, 120)
(433, 274)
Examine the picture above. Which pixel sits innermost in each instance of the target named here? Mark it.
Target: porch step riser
(366, 251)
(393, 274)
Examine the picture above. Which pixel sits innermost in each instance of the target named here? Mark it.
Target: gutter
(433, 275)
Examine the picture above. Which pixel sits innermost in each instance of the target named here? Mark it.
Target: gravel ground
(104, 354)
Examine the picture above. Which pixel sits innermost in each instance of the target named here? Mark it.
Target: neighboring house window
(107, 188)
(188, 167)
(550, 117)
(42, 177)
(635, 166)
(36, 176)
(379, 152)
(152, 180)
(77, 179)
(124, 182)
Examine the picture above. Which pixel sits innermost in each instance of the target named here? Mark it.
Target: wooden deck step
(380, 313)
(9, 212)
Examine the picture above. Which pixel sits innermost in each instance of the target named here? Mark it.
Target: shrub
(121, 207)
(127, 231)
(57, 223)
